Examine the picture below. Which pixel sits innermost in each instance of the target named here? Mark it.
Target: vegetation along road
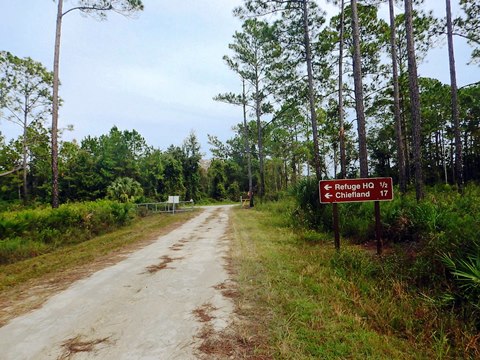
(152, 305)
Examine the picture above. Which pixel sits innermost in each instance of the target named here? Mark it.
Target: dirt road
(149, 306)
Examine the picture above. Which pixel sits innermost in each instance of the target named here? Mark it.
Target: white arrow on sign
(327, 187)
(328, 196)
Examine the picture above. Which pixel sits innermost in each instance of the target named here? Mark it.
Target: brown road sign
(356, 190)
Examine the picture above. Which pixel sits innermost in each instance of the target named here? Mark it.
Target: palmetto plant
(124, 189)
(467, 272)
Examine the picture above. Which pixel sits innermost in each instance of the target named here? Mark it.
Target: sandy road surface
(146, 307)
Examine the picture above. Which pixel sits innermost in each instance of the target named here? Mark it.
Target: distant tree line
(112, 165)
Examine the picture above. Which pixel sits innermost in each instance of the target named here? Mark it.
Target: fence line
(166, 207)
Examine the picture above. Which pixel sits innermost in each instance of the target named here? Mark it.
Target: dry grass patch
(212, 216)
(204, 313)
(77, 345)
(230, 267)
(228, 289)
(163, 265)
(176, 247)
(232, 343)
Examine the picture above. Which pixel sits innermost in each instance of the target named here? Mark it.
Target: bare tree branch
(87, 8)
(11, 171)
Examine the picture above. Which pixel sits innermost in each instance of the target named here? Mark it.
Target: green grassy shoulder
(309, 302)
(54, 263)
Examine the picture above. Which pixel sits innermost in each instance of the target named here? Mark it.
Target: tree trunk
(405, 139)
(403, 120)
(293, 178)
(258, 104)
(402, 178)
(335, 160)
(311, 91)
(359, 107)
(415, 102)
(24, 150)
(56, 61)
(454, 90)
(444, 156)
(452, 154)
(438, 157)
(343, 157)
(247, 145)
(466, 153)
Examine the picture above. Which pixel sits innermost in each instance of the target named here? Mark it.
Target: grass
(308, 302)
(56, 262)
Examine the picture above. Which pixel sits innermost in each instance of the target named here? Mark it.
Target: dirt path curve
(149, 306)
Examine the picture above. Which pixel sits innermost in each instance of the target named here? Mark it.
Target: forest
(328, 98)
(322, 96)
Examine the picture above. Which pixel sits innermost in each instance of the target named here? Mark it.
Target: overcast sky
(156, 73)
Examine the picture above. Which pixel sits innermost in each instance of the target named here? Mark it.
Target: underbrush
(31, 232)
(432, 247)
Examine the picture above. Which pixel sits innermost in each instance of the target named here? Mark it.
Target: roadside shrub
(312, 237)
(309, 213)
(143, 211)
(31, 232)
(218, 192)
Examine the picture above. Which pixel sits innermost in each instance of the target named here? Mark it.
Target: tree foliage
(124, 189)
(468, 26)
(25, 100)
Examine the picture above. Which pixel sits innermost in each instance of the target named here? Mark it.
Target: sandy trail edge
(141, 308)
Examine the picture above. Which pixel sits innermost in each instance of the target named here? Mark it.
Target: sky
(156, 72)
